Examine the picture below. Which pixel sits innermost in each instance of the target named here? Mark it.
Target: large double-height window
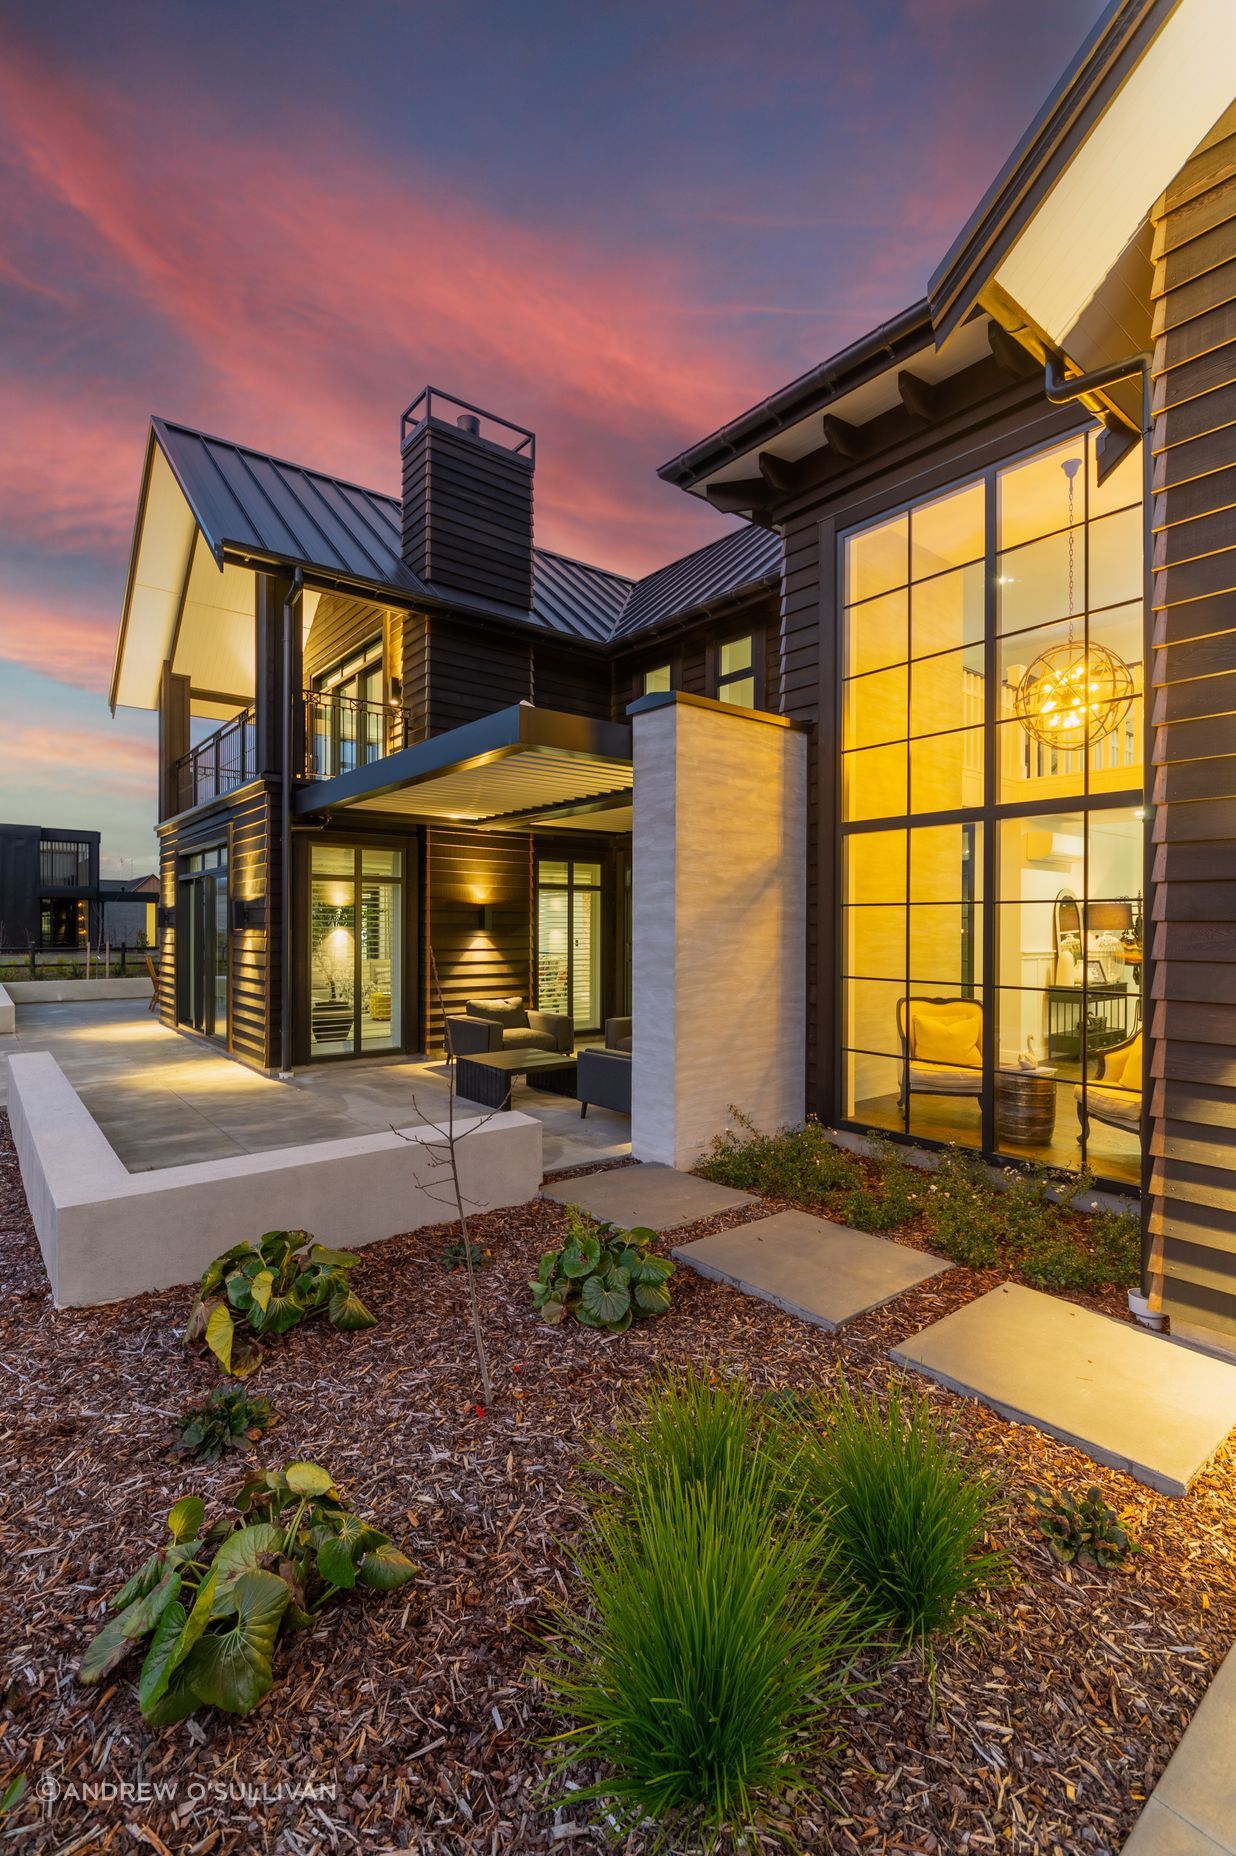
(992, 817)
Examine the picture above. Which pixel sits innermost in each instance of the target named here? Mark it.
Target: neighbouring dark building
(53, 900)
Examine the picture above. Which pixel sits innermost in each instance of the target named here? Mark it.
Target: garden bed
(414, 1711)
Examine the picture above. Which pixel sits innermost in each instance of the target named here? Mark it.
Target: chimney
(467, 499)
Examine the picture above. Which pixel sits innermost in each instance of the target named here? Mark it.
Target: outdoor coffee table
(1026, 1106)
(489, 1079)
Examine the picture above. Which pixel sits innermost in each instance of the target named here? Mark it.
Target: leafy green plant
(710, 1653)
(213, 1601)
(272, 1286)
(795, 1163)
(456, 1256)
(1081, 1530)
(908, 1512)
(605, 1277)
(228, 1419)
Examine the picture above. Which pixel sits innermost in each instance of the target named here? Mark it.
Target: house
(449, 704)
(1009, 617)
(54, 902)
(911, 802)
(49, 888)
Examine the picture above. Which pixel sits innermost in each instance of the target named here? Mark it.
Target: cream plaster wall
(719, 895)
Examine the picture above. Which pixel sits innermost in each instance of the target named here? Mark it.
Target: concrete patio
(164, 1100)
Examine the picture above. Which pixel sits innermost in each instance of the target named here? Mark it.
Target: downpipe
(291, 616)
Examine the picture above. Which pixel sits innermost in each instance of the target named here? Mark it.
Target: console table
(1086, 1021)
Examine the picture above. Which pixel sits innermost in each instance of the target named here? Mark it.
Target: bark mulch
(414, 1714)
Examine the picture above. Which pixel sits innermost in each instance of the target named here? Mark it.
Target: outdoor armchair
(490, 1025)
(604, 1080)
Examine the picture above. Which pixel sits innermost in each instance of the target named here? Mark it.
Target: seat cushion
(946, 1080)
(623, 1044)
(523, 1037)
(511, 1014)
(1121, 1107)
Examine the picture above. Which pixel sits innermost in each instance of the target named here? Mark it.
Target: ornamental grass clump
(710, 1652)
(909, 1512)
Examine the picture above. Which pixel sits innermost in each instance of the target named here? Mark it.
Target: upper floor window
(349, 721)
(736, 671)
(64, 863)
(660, 677)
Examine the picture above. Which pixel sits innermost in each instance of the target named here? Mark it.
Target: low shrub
(908, 1512)
(795, 1163)
(270, 1287)
(456, 1256)
(709, 1654)
(895, 1197)
(213, 1601)
(605, 1277)
(1081, 1531)
(227, 1420)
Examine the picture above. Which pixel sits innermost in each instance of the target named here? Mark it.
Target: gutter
(873, 354)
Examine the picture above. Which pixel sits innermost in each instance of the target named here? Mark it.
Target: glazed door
(569, 940)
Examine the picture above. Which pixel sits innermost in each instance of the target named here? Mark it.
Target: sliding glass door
(202, 942)
(355, 950)
(569, 940)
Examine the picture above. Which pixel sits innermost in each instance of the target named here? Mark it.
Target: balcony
(341, 734)
(217, 765)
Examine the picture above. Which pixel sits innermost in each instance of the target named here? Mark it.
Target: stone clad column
(719, 923)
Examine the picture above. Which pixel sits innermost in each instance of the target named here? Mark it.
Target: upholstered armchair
(506, 1024)
(603, 1078)
(1114, 1093)
(618, 1034)
(941, 1047)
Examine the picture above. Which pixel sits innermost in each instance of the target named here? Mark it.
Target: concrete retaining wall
(64, 992)
(8, 1017)
(106, 1233)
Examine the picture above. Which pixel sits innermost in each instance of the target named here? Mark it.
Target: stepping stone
(652, 1195)
(1192, 1810)
(824, 1273)
(1128, 1398)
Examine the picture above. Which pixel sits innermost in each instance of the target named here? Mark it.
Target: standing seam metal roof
(249, 501)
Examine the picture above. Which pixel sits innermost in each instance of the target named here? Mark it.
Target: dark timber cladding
(467, 513)
(464, 872)
(246, 823)
(1193, 1026)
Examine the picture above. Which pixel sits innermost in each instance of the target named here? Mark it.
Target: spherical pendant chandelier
(1077, 692)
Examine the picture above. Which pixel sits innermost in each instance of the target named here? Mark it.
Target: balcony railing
(222, 762)
(342, 733)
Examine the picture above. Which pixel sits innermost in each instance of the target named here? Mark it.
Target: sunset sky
(618, 223)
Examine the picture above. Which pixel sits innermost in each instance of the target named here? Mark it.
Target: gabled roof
(719, 572)
(1108, 55)
(247, 502)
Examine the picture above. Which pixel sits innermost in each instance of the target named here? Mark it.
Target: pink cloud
(119, 764)
(319, 290)
(73, 646)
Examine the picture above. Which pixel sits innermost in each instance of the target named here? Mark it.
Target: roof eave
(862, 360)
(1105, 59)
(131, 572)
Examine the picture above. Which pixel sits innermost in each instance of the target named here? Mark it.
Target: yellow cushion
(946, 1040)
(1123, 1069)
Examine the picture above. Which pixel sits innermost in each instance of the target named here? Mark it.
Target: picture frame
(1095, 975)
